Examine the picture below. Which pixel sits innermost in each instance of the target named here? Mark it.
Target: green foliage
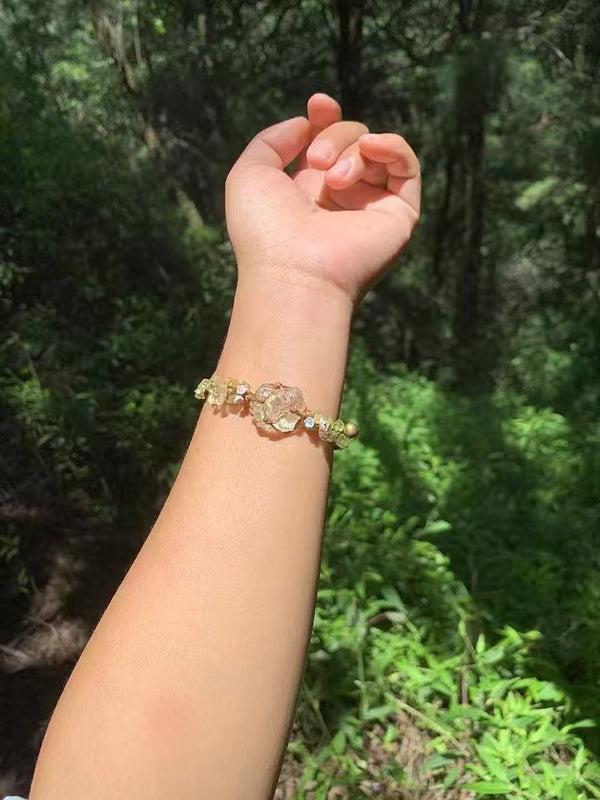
(414, 630)
(457, 632)
(113, 297)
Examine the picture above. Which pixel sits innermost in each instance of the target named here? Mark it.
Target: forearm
(189, 683)
(187, 687)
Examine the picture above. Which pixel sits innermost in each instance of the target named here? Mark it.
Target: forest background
(456, 645)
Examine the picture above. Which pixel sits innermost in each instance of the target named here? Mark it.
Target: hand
(349, 208)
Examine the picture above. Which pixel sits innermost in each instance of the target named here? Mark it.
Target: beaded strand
(275, 407)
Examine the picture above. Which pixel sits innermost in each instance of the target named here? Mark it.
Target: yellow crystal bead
(277, 407)
(202, 388)
(217, 391)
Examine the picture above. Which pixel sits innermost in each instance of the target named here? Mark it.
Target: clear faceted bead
(324, 426)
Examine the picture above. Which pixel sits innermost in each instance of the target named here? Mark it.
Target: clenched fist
(350, 206)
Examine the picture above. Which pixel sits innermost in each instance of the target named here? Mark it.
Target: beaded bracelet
(276, 407)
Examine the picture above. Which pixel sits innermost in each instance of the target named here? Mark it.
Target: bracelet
(275, 407)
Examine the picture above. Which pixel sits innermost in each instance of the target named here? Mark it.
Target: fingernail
(341, 169)
(369, 137)
(322, 149)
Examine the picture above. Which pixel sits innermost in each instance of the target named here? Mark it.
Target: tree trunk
(473, 105)
(350, 14)
(443, 218)
(467, 333)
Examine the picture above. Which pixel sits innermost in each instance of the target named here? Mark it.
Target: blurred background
(456, 647)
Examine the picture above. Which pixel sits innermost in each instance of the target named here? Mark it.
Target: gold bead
(351, 430)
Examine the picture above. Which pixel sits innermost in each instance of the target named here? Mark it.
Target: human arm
(188, 685)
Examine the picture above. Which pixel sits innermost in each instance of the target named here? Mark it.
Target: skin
(188, 685)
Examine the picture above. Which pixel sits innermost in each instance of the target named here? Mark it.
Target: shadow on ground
(76, 566)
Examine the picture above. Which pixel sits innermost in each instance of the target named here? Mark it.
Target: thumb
(278, 145)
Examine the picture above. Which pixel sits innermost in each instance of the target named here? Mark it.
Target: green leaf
(489, 787)
(536, 192)
(569, 792)
(380, 712)
(440, 526)
(435, 762)
(452, 776)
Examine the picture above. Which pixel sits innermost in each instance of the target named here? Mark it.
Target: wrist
(306, 278)
(292, 297)
(289, 331)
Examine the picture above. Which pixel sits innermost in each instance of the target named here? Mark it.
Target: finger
(403, 206)
(349, 168)
(401, 163)
(322, 111)
(276, 146)
(352, 166)
(331, 142)
(408, 190)
(393, 151)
